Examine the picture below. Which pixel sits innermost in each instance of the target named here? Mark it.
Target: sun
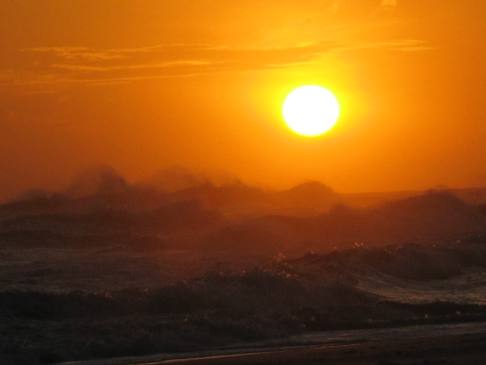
(311, 110)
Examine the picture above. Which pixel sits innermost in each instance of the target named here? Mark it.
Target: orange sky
(144, 84)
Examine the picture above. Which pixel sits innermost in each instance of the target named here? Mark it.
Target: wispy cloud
(84, 65)
(73, 53)
(165, 56)
(153, 66)
(402, 45)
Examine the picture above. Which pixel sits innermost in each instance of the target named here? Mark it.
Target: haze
(199, 83)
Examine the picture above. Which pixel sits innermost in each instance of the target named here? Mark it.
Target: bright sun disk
(311, 110)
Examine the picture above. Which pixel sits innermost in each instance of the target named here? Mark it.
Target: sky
(147, 84)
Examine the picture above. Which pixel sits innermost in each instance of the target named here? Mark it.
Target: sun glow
(311, 110)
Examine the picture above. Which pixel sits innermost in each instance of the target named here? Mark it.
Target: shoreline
(394, 345)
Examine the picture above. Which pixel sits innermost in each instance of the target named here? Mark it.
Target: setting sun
(311, 110)
(221, 182)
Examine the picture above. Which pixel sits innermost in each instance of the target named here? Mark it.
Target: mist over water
(216, 262)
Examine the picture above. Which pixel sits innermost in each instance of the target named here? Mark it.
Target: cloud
(167, 56)
(84, 65)
(402, 45)
(159, 65)
(72, 53)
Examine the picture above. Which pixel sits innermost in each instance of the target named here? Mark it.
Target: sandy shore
(436, 344)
